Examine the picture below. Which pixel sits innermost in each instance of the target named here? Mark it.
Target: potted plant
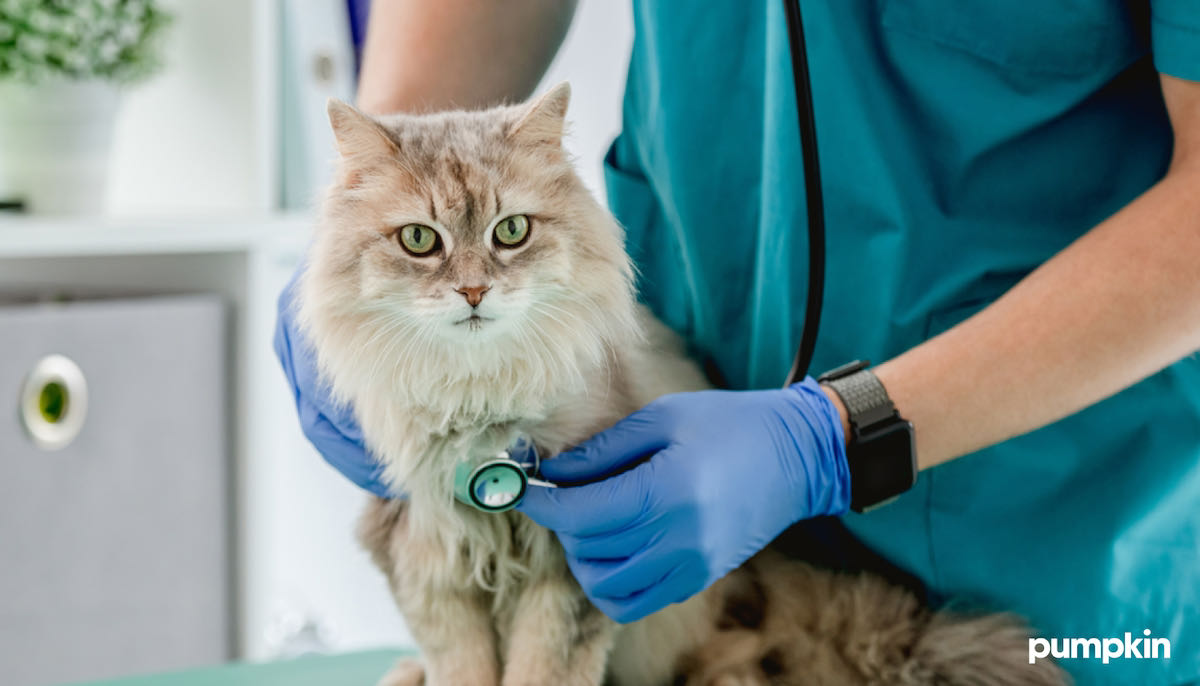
(62, 64)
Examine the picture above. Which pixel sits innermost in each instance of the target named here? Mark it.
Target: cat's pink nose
(473, 294)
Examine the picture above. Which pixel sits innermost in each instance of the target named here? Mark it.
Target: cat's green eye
(512, 231)
(419, 240)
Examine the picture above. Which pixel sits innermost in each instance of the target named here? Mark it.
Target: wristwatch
(882, 452)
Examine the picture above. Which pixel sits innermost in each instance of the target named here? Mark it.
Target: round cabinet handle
(54, 402)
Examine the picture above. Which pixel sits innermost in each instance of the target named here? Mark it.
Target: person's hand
(696, 483)
(330, 427)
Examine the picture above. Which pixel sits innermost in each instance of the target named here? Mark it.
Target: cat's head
(462, 245)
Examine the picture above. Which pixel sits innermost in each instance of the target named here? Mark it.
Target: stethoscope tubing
(814, 200)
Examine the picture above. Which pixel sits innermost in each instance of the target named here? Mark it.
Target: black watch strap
(862, 393)
(881, 454)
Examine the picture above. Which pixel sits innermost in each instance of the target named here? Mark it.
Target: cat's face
(463, 231)
(468, 225)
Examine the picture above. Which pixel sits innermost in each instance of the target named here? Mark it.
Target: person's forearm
(423, 56)
(1119, 304)
(1116, 306)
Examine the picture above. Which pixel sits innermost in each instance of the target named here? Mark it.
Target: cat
(783, 622)
(465, 289)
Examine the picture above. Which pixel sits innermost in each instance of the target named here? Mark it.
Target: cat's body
(465, 289)
(501, 570)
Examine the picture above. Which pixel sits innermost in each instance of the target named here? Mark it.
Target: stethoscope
(499, 484)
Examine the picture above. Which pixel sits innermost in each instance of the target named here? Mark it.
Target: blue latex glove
(696, 484)
(330, 427)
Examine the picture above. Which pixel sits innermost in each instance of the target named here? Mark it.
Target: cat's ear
(544, 119)
(360, 140)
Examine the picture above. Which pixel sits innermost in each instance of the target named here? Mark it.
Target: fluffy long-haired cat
(465, 289)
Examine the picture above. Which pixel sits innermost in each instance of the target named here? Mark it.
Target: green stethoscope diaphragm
(497, 485)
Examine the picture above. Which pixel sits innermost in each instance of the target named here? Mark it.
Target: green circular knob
(54, 402)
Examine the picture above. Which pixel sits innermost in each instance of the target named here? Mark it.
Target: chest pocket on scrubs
(1046, 37)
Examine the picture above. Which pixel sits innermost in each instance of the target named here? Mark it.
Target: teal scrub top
(962, 144)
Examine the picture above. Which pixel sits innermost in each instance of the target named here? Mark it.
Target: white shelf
(22, 236)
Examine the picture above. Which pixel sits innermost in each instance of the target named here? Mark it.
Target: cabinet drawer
(115, 548)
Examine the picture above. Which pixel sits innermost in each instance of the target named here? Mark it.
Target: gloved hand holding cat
(330, 426)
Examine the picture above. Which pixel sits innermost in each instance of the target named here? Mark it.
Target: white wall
(190, 140)
(594, 58)
(197, 138)
(302, 564)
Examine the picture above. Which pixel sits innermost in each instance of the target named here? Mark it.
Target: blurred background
(159, 161)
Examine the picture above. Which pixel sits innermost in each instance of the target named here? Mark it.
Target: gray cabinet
(115, 549)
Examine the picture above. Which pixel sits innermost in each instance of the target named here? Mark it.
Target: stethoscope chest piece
(499, 484)
(494, 486)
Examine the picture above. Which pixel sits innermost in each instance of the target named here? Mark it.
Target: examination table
(356, 669)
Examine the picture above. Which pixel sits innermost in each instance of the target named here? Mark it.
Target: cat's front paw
(408, 671)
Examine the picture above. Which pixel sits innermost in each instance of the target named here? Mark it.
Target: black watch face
(882, 464)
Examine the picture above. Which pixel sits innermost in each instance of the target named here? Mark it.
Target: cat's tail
(991, 650)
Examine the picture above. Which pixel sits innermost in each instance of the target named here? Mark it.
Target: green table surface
(355, 669)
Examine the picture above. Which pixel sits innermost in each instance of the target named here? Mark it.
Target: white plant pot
(55, 144)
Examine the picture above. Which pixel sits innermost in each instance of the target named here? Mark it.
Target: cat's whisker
(395, 332)
(597, 356)
(606, 336)
(565, 359)
(390, 331)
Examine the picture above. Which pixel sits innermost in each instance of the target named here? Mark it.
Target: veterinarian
(1012, 193)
